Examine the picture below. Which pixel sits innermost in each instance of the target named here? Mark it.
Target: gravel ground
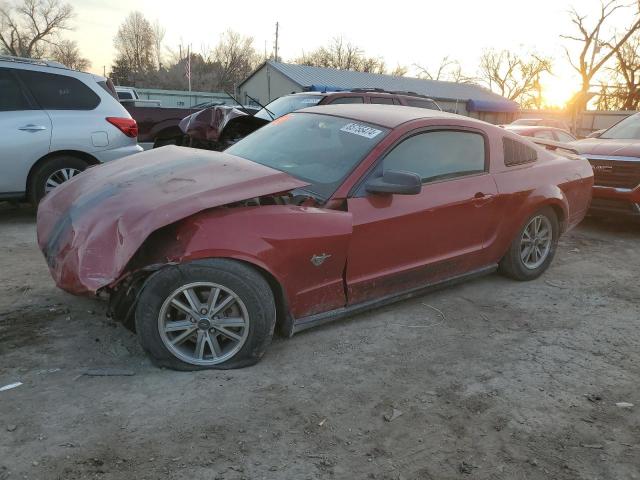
(512, 381)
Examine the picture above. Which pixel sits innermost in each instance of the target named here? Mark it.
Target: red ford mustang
(323, 213)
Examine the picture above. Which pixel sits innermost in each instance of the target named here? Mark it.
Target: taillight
(128, 126)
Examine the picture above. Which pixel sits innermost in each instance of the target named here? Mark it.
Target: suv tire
(51, 171)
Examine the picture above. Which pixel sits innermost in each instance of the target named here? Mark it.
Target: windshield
(319, 149)
(629, 129)
(287, 104)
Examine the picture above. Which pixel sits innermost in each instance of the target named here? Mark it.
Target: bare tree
(596, 51)
(135, 46)
(235, 57)
(399, 71)
(67, 53)
(342, 55)
(27, 27)
(627, 68)
(449, 70)
(513, 76)
(439, 73)
(158, 37)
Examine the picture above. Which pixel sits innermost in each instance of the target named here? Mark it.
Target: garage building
(274, 79)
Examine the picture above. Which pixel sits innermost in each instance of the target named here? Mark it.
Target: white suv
(54, 123)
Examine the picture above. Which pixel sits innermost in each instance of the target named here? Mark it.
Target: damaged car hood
(210, 123)
(91, 226)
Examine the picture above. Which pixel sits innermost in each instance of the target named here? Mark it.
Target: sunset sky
(402, 32)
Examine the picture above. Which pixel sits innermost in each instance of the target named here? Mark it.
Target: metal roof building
(274, 79)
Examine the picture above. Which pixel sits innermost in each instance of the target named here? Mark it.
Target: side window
(11, 95)
(439, 154)
(412, 102)
(381, 100)
(125, 96)
(516, 153)
(59, 92)
(565, 137)
(340, 100)
(544, 134)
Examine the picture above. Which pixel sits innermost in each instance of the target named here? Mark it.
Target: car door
(25, 135)
(71, 106)
(400, 242)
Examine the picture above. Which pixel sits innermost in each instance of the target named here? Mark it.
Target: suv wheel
(52, 173)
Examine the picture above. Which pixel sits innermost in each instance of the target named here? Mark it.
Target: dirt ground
(515, 381)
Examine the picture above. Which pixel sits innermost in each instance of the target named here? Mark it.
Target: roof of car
(531, 128)
(389, 116)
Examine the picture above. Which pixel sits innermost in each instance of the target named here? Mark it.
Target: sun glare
(556, 92)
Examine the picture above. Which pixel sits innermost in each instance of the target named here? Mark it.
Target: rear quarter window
(59, 92)
(517, 153)
(11, 95)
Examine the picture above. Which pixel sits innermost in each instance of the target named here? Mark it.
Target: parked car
(127, 93)
(548, 133)
(615, 158)
(54, 123)
(323, 213)
(157, 126)
(219, 127)
(541, 122)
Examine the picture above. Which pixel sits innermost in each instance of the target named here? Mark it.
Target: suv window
(59, 92)
(516, 153)
(412, 102)
(439, 154)
(11, 97)
(340, 100)
(381, 100)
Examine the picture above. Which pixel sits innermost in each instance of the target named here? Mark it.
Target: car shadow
(623, 227)
(17, 211)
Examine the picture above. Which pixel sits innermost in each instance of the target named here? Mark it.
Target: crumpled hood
(604, 146)
(210, 123)
(91, 226)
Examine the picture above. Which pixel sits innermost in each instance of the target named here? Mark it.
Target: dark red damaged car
(322, 213)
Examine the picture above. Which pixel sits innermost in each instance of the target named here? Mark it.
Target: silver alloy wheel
(58, 177)
(203, 323)
(535, 243)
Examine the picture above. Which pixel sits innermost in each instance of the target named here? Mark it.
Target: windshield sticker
(310, 100)
(361, 130)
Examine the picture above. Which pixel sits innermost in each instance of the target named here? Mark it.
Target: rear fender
(513, 220)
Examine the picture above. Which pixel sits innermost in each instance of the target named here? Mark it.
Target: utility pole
(277, 25)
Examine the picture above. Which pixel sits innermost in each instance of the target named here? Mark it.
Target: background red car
(323, 213)
(544, 133)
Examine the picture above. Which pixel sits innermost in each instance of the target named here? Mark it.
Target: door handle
(481, 195)
(32, 128)
(481, 198)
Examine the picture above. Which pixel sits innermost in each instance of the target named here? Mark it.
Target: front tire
(533, 249)
(215, 313)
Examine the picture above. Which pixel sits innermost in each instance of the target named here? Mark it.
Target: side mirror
(395, 181)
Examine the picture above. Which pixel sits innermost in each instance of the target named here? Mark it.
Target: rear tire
(236, 336)
(51, 173)
(533, 249)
